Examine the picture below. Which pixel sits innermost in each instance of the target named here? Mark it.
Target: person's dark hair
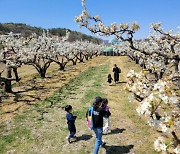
(97, 101)
(109, 75)
(68, 107)
(104, 100)
(115, 65)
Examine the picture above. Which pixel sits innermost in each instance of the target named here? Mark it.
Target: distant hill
(27, 30)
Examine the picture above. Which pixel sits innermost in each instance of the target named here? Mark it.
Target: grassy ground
(31, 88)
(43, 129)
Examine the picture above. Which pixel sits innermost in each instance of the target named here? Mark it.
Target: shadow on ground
(118, 149)
(117, 131)
(83, 137)
(121, 82)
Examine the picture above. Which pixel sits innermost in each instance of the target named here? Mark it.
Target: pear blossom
(158, 144)
(135, 26)
(177, 150)
(165, 129)
(154, 123)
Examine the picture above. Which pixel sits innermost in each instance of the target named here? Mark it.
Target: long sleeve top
(70, 118)
(107, 112)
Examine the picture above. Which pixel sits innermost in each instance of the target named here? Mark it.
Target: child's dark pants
(72, 130)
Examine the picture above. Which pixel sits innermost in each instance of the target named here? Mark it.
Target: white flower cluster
(41, 51)
(84, 20)
(159, 144)
(156, 53)
(156, 25)
(159, 106)
(138, 84)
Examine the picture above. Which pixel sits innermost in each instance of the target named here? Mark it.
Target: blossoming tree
(158, 97)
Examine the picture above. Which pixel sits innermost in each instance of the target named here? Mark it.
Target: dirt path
(43, 129)
(131, 134)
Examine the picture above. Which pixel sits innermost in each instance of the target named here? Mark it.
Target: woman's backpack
(89, 117)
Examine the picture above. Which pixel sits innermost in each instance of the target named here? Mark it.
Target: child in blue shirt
(71, 122)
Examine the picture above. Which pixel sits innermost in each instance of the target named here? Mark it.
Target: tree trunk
(176, 65)
(81, 59)
(150, 71)
(16, 74)
(62, 66)
(161, 75)
(8, 86)
(43, 73)
(156, 75)
(176, 139)
(74, 61)
(86, 57)
(9, 75)
(137, 61)
(144, 66)
(7, 82)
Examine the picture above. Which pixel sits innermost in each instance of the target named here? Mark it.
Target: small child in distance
(109, 79)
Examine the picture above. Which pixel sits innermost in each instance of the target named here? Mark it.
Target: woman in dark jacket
(116, 71)
(97, 116)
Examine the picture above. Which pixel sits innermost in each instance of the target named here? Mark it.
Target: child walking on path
(71, 122)
(106, 120)
(109, 79)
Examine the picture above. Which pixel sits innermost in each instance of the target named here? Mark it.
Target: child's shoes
(103, 143)
(105, 133)
(69, 139)
(109, 131)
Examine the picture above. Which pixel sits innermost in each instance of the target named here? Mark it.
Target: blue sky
(61, 13)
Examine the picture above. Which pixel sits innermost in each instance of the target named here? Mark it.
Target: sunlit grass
(21, 126)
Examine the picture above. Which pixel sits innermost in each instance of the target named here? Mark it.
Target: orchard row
(157, 87)
(40, 52)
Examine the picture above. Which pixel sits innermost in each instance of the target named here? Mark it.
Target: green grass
(94, 91)
(20, 118)
(14, 137)
(93, 73)
(20, 128)
(1, 112)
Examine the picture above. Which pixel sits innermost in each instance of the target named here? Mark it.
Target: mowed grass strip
(27, 130)
(136, 132)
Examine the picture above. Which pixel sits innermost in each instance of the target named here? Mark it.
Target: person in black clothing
(71, 122)
(97, 117)
(109, 79)
(116, 71)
